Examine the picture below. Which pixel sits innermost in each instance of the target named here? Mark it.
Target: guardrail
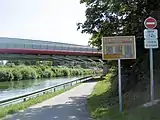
(24, 97)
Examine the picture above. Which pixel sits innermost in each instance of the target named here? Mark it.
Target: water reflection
(15, 88)
(18, 84)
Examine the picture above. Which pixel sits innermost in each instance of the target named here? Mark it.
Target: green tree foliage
(118, 17)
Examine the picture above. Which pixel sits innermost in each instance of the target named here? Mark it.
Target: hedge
(22, 72)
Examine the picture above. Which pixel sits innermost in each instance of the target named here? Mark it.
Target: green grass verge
(24, 105)
(103, 103)
(99, 101)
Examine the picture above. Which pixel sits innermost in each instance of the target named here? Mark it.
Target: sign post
(151, 42)
(120, 85)
(117, 48)
(151, 74)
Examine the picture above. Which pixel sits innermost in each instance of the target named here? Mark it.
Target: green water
(15, 88)
(9, 85)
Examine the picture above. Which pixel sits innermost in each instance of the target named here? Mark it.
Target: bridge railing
(4, 45)
(24, 97)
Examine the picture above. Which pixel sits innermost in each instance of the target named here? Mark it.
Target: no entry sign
(150, 23)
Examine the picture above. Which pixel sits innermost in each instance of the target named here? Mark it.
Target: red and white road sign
(150, 23)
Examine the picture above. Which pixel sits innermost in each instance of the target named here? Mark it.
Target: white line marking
(150, 23)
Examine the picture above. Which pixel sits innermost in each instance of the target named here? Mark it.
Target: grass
(24, 105)
(103, 103)
(98, 100)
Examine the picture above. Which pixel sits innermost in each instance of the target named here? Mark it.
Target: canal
(12, 89)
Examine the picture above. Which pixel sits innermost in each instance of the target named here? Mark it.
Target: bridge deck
(37, 47)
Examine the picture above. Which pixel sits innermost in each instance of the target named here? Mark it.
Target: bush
(66, 72)
(28, 73)
(39, 72)
(75, 72)
(6, 75)
(17, 74)
(47, 73)
(43, 67)
(57, 72)
(23, 72)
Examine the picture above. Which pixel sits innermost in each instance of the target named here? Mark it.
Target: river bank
(23, 72)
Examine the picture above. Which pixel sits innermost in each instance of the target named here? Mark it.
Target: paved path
(70, 105)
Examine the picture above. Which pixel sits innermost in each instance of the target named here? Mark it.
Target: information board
(118, 47)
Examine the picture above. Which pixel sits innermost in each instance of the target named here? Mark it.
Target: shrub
(47, 73)
(57, 72)
(23, 72)
(65, 72)
(28, 73)
(17, 74)
(6, 75)
(39, 72)
(75, 72)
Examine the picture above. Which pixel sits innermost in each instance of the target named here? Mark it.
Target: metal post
(151, 75)
(120, 85)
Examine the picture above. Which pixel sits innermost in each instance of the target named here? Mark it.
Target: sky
(51, 20)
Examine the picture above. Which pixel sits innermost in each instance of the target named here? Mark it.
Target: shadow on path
(74, 109)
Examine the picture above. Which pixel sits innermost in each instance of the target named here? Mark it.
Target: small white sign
(150, 34)
(151, 43)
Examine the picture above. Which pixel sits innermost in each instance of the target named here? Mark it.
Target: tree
(118, 17)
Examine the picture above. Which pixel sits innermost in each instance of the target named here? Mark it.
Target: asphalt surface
(70, 105)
